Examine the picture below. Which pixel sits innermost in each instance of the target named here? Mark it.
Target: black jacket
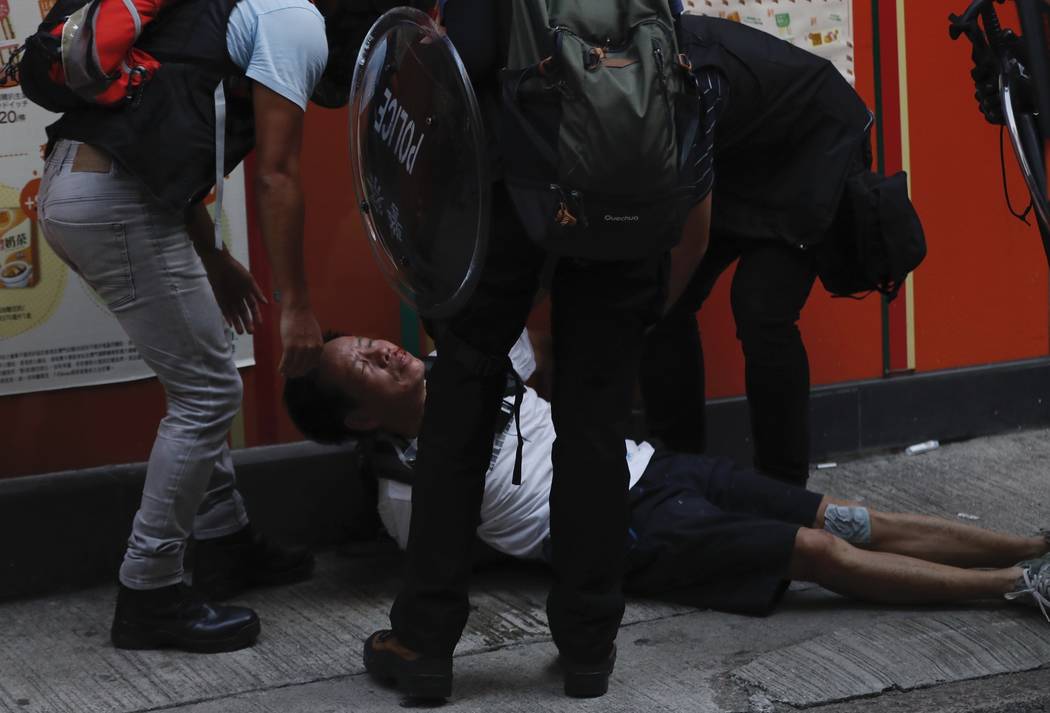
(167, 139)
(791, 130)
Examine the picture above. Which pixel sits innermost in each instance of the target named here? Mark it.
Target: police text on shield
(401, 139)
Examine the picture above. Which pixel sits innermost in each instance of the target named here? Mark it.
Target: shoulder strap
(220, 159)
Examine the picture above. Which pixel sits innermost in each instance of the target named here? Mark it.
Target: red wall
(981, 295)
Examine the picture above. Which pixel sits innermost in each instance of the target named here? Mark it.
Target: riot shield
(418, 149)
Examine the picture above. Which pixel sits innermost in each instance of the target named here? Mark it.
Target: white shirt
(280, 44)
(515, 519)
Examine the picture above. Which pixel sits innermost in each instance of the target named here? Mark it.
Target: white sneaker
(1034, 581)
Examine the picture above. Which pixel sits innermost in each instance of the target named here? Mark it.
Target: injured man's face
(385, 384)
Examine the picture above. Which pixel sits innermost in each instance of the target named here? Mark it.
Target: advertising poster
(54, 331)
(824, 27)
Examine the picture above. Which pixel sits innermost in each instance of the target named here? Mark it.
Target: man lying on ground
(701, 529)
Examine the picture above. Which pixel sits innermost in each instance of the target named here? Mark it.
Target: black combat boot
(174, 617)
(415, 675)
(588, 679)
(226, 566)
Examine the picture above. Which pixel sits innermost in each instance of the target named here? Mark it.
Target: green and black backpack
(601, 111)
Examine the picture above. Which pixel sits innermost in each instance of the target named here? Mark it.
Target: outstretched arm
(686, 256)
(279, 196)
(236, 291)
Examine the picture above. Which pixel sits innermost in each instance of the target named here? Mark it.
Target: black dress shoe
(415, 675)
(588, 680)
(173, 617)
(226, 566)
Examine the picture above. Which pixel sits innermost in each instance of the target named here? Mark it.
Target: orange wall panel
(981, 295)
(349, 293)
(723, 360)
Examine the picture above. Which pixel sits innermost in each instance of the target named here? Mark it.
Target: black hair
(347, 23)
(319, 411)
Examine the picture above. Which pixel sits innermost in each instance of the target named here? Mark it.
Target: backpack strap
(220, 158)
(511, 88)
(79, 55)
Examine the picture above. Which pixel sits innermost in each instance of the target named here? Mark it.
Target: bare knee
(815, 550)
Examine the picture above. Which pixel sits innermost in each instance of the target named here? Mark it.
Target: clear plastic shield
(418, 148)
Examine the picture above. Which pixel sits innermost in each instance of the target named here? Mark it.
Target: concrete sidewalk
(818, 651)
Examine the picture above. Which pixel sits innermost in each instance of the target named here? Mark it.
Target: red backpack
(84, 53)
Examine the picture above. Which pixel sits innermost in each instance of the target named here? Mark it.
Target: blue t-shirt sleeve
(286, 52)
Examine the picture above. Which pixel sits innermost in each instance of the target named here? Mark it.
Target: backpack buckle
(564, 216)
(684, 62)
(137, 78)
(595, 58)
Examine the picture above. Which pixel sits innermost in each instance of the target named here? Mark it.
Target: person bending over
(786, 134)
(702, 529)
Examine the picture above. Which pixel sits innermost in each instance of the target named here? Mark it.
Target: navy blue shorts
(711, 534)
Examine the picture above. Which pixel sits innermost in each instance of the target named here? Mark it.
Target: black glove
(985, 75)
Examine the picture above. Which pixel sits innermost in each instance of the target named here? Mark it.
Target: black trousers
(770, 287)
(599, 312)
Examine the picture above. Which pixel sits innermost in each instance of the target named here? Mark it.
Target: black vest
(167, 139)
(790, 132)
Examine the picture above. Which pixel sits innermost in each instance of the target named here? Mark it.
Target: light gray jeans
(138, 257)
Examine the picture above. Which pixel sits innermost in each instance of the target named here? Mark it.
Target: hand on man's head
(301, 341)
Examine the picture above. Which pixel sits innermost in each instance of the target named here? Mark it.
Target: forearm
(684, 261)
(201, 230)
(686, 256)
(281, 215)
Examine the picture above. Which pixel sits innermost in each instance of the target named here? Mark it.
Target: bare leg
(890, 578)
(935, 539)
